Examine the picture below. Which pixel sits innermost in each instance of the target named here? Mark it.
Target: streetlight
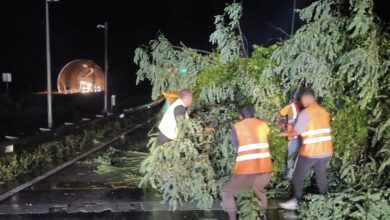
(105, 27)
(293, 18)
(48, 63)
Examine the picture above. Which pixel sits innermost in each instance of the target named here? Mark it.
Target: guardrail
(48, 135)
(72, 161)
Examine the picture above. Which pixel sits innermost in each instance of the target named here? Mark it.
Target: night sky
(131, 24)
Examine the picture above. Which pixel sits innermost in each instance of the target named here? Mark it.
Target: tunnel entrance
(80, 76)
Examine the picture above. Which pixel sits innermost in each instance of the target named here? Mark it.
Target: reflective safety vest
(168, 123)
(317, 139)
(293, 118)
(253, 150)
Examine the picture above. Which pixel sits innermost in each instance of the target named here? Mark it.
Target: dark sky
(132, 23)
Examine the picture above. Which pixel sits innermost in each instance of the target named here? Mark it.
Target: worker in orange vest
(253, 166)
(314, 126)
(292, 111)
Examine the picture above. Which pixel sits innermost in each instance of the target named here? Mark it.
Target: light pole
(48, 63)
(293, 18)
(105, 26)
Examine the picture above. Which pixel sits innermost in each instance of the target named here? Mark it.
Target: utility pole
(105, 26)
(293, 18)
(48, 63)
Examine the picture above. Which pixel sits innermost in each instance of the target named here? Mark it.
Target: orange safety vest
(253, 150)
(317, 139)
(292, 118)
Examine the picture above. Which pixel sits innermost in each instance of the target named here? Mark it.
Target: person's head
(247, 111)
(186, 97)
(308, 97)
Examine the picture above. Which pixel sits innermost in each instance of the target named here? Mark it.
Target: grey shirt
(302, 122)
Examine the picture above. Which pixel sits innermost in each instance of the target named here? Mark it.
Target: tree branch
(279, 29)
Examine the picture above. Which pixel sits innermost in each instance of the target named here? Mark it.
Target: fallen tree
(342, 52)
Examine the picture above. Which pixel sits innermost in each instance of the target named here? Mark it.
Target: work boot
(291, 204)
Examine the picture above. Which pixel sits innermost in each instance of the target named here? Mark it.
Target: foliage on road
(342, 52)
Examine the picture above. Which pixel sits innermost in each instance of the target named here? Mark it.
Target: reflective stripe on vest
(168, 123)
(317, 139)
(294, 110)
(253, 151)
(291, 121)
(253, 147)
(253, 156)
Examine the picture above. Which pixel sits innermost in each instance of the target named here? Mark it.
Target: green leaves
(340, 41)
(342, 52)
(228, 43)
(248, 206)
(349, 204)
(36, 159)
(160, 62)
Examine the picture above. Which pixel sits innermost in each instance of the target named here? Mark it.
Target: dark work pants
(303, 166)
(240, 182)
(162, 139)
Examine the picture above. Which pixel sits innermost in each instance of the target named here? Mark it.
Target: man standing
(253, 166)
(314, 126)
(294, 142)
(168, 125)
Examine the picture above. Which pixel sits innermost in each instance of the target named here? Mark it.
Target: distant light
(85, 65)
(97, 89)
(85, 87)
(183, 70)
(113, 98)
(9, 148)
(121, 115)
(7, 77)
(11, 137)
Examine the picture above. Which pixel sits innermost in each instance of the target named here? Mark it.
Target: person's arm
(285, 110)
(301, 125)
(289, 133)
(282, 116)
(234, 139)
(179, 111)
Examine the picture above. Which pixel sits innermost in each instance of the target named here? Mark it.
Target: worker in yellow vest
(168, 124)
(292, 112)
(253, 166)
(314, 126)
